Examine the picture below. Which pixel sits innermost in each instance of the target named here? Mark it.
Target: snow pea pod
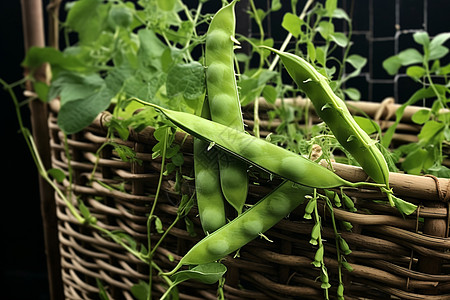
(269, 157)
(333, 111)
(224, 100)
(210, 200)
(249, 225)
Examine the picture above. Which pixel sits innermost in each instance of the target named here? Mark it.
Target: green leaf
(438, 52)
(276, 5)
(88, 19)
(41, 89)
(410, 56)
(270, 93)
(431, 130)
(140, 290)
(311, 50)
(326, 29)
(102, 291)
(422, 38)
(413, 163)
(57, 174)
(423, 93)
(392, 65)
(84, 210)
(166, 5)
(368, 125)
(445, 70)
(439, 171)
(206, 273)
(77, 114)
(320, 55)
(439, 40)
(71, 86)
(415, 72)
(339, 38)
(421, 116)
(353, 94)
(357, 61)
(403, 206)
(339, 13)
(187, 80)
(151, 49)
(58, 60)
(292, 24)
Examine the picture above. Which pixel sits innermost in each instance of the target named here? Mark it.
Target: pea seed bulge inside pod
(270, 157)
(250, 224)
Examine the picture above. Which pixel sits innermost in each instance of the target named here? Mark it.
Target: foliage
(424, 67)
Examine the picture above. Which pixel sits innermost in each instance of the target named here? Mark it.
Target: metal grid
(381, 28)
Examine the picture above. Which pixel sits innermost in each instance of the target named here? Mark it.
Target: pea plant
(424, 67)
(156, 56)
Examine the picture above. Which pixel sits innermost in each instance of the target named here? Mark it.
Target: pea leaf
(339, 38)
(166, 5)
(392, 65)
(357, 61)
(422, 38)
(140, 290)
(438, 52)
(206, 273)
(326, 29)
(88, 19)
(415, 72)
(431, 130)
(367, 125)
(292, 24)
(102, 291)
(330, 6)
(58, 60)
(71, 86)
(414, 161)
(187, 80)
(276, 5)
(270, 93)
(353, 93)
(421, 116)
(151, 50)
(57, 174)
(410, 56)
(79, 113)
(439, 40)
(403, 206)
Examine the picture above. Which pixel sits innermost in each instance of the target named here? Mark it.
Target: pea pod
(333, 111)
(259, 152)
(224, 100)
(210, 200)
(247, 226)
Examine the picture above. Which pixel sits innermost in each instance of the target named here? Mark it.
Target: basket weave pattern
(407, 257)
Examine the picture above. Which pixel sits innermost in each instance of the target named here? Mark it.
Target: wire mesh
(380, 28)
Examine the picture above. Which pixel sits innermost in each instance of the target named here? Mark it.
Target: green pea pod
(333, 111)
(223, 99)
(210, 200)
(247, 226)
(259, 152)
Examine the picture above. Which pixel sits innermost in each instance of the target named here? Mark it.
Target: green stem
(150, 216)
(337, 235)
(319, 239)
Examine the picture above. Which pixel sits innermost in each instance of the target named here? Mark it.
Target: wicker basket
(392, 256)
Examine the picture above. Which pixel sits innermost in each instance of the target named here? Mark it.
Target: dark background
(23, 261)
